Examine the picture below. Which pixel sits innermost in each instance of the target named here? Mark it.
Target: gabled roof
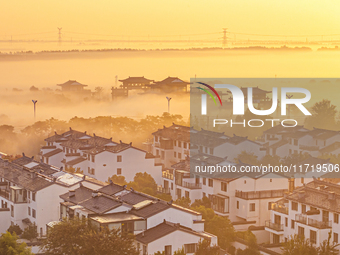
(75, 161)
(151, 209)
(72, 83)
(100, 204)
(52, 153)
(81, 194)
(174, 132)
(136, 80)
(330, 148)
(111, 189)
(171, 81)
(164, 229)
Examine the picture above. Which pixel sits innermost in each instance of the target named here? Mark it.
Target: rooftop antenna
(59, 33)
(168, 98)
(34, 103)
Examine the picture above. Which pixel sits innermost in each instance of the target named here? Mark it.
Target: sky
(157, 18)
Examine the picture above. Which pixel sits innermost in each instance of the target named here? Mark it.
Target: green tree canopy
(77, 237)
(10, 246)
(323, 115)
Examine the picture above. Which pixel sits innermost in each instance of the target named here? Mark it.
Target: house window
(119, 171)
(335, 237)
(224, 186)
(29, 211)
(301, 231)
(92, 158)
(286, 222)
(162, 155)
(252, 207)
(172, 186)
(179, 155)
(295, 206)
(179, 193)
(167, 250)
(325, 216)
(28, 194)
(245, 182)
(145, 250)
(190, 248)
(156, 138)
(292, 224)
(302, 180)
(184, 145)
(336, 218)
(33, 213)
(312, 237)
(210, 182)
(238, 204)
(33, 196)
(119, 158)
(174, 143)
(179, 144)
(157, 152)
(303, 208)
(204, 181)
(12, 211)
(211, 151)
(187, 194)
(175, 154)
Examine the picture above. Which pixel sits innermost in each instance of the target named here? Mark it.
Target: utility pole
(168, 98)
(34, 103)
(59, 35)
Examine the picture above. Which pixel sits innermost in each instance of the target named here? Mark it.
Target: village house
(311, 211)
(29, 192)
(154, 222)
(169, 85)
(98, 157)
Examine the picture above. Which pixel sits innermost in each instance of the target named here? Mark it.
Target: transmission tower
(224, 42)
(59, 33)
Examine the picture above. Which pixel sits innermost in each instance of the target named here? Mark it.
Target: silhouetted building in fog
(74, 87)
(170, 85)
(135, 83)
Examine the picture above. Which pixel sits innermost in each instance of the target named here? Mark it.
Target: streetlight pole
(34, 103)
(168, 98)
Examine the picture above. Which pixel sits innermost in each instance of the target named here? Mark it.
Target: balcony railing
(190, 185)
(274, 226)
(312, 222)
(301, 218)
(260, 194)
(168, 175)
(5, 194)
(160, 189)
(280, 208)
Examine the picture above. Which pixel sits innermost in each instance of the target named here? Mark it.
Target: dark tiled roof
(133, 198)
(72, 83)
(111, 189)
(52, 153)
(81, 194)
(330, 148)
(171, 81)
(151, 209)
(15, 173)
(100, 204)
(162, 230)
(278, 144)
(174, 132)
(39, 167)
(75, 161)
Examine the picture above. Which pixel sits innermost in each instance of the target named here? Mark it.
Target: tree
(252, 247)
(159, 253)
(118, 179)
(183, 201)
(205, 201)
(72, 170)
(15, 229)
(204, 248)
(326, 248)
(144, 182)
(272, 160)
(10, 246)
(294, 158)
(30, 232)
(217, 225)
(247, 158)
(323, 115)
(180, 252)
(297, 245)
(77, 237)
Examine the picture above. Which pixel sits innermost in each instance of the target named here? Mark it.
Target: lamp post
(168, 98)
(34, 103)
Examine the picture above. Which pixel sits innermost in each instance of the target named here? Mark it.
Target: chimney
(291, 184)
(331, 195)
(33, 174)
(95, 193)
(71, 193)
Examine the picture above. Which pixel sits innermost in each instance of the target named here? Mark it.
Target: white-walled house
(311, 211)
(114, 206)
(98, 157)
(30, 190)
